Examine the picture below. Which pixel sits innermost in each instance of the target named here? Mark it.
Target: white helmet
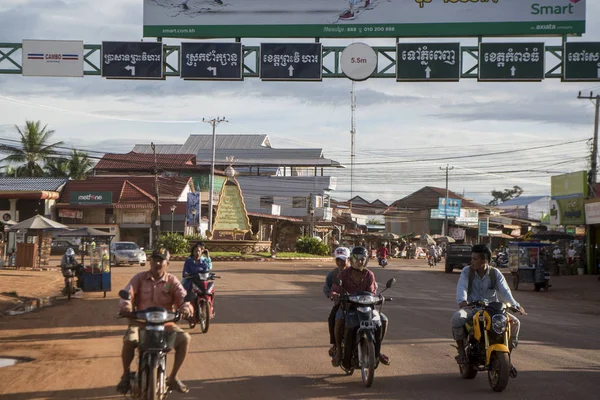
(70, 252)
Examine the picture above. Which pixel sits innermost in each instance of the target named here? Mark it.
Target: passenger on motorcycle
(155, 288)
(354, 280)
(342, 260)
(482, 288)
(198, 262)
(433, 253)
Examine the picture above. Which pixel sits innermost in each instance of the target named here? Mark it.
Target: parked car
(60, 246)
(127, 253)
(457, 256)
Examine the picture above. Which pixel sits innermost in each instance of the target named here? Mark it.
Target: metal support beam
(10, 61)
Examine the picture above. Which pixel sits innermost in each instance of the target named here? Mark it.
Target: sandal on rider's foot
(385, 360)
(124, 385)
(332, 351)
(177, 385)
(513, 372)
(336, 361)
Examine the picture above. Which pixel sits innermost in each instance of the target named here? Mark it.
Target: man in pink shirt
(155, 288)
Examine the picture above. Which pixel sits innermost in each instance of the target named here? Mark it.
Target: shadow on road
(338, 386)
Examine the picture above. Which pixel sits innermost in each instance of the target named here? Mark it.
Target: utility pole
(352, 140)
(445, 227)
(590, 235)
(157, 195)
(214, 122)
(594, 161)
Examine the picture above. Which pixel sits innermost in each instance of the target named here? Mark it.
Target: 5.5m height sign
(378, 18)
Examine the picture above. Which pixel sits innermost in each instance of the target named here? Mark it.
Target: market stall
(526, 265)
(95, 258)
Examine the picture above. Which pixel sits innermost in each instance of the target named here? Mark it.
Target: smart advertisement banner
(59, 58)
(353, 18)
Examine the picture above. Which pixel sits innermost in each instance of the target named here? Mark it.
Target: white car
(127, 253)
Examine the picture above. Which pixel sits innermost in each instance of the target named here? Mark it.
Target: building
(277, 182)
(125, 205)
(535, 208)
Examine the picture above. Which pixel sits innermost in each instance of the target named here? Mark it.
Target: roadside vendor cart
(95, 258)
(526, 265)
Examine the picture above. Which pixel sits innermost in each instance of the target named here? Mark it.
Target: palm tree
(57, 167)
(80, 166)
(33, 150)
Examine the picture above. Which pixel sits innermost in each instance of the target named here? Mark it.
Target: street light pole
(214, 122)
(173, 207)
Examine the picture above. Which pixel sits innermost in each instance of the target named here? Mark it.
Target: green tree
(80, 166)
(57, 167)
(7, 171)
(33, 149)
(504, 195)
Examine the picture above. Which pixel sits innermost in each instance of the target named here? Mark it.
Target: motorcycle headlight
(205, 276)
(157, 317)
(364, 309)
(499, 323)
(363, 299)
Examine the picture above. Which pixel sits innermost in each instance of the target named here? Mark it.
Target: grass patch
(215, 254)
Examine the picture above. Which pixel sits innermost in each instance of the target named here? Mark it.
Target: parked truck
(457, 256)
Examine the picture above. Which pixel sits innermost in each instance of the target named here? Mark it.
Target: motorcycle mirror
(124, 294)
(338, 281)
(390, 283)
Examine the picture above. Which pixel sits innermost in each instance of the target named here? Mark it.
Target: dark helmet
(358, 254)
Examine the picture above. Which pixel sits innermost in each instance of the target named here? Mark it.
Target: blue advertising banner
(484, 225)
(452, 209)
(192, 213)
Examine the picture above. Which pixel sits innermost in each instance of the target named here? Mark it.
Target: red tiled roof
(133, 161)
(128, 189)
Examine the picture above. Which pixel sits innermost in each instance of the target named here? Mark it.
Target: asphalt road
(269, 341)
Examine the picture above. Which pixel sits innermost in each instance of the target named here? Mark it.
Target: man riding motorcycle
(342, 261)
(354, 280)
(68, 262)
(481, 282)
(155, 288)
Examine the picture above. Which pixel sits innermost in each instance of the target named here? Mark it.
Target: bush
(195, 238)
(174, 242)
(311, 245)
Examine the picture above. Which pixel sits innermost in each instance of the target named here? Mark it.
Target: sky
(492, 135)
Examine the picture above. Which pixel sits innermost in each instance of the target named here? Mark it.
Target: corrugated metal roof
(32, 184)
(428, 197)
(196, 143)
(134, 161)
(521, 201)
(160, 148)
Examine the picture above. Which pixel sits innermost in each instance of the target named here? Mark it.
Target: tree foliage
(33, 150)
(311, 245)
(504, 195)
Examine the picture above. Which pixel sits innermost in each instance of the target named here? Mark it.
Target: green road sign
(428, 62)
(581, 61)
(511, 61)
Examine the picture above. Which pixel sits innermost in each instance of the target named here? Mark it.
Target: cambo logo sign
(61, 58)
(355, 19)
(90, 197)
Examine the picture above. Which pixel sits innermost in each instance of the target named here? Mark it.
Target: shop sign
(569, 185)
(134, 218)
(90, 197)
(592, 213)
(69, 213)
(484, 225)
(457, 233)
(572, 211)
(468, 216)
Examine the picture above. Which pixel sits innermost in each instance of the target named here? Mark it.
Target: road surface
(269, 341)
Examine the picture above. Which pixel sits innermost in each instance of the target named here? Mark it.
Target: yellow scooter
(487, 347)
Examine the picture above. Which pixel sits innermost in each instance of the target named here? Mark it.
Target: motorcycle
(150, 380)
(431, 261)
(486, 346)
(71, 285)
(362, 332)
(500, 260)
(202, 297)
(383, 262)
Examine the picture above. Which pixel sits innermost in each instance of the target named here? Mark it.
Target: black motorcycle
(150, 380)
(362, 332)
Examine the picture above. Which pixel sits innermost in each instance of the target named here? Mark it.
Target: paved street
(269, 341)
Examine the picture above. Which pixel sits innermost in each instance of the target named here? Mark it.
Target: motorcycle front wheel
(204, 317)
(151, 379)
(499, 371)
(367, 363)
(69, 289)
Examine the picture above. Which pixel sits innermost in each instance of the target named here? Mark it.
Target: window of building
(266, 201)
(299, 202)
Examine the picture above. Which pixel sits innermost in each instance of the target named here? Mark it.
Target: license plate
(367, 324)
